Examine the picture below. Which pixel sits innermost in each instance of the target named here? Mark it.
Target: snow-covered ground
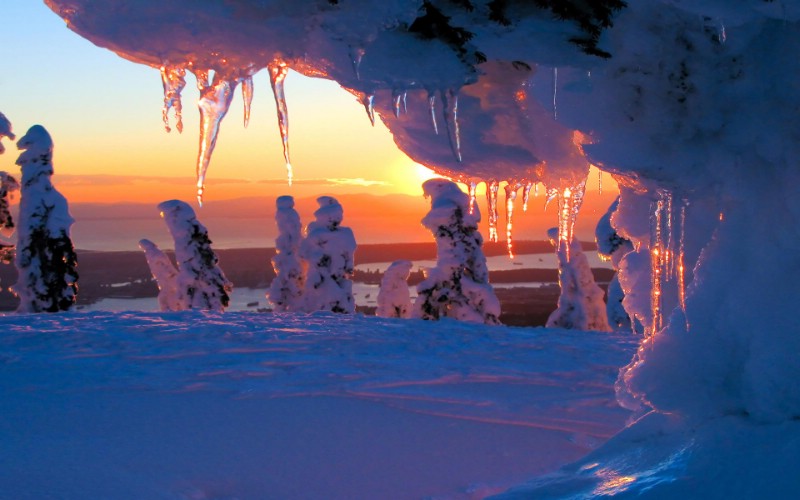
(195, 405)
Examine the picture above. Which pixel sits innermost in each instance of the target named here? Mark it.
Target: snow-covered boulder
(201, 282)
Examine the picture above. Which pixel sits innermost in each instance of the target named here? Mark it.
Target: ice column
(492, 187)
(511, 189)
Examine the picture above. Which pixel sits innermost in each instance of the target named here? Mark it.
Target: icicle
(536, 190)
(723, 36)
(173, 79)
(247, 97)
(681, 259)
(661, 265)
(599, 182)
(356, 54)
(405, 102)
(277, 74)
(555, 93)
(526, 194)
(214, 102)
(550, 195)
(473, 188)
(450, 109)
(432, 106)
(669, 251)
(570, 200)
(511, 195)
(368, 100)
(201, 75)
(492, 187)
(397, 100)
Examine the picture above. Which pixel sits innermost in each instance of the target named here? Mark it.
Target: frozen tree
(580, 305)
(165, 274)
(201, 283)
(328, 252)
(394, 301)
(8, 185)
(458, 287)
(5, 131)
(286, 290)
(611, 246)
(45, 259)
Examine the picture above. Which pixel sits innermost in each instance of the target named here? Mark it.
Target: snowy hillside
(251, 406)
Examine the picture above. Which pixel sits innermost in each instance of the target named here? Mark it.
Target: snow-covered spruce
(286, 290)
(394, 300)
(611, 246)
(45, 259)
(5, 131)
(8, 185)
(580, 305)
(328, 250)
(165, 274)
(201, 283)
(458, 287)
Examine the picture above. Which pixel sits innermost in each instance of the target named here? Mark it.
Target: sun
(408, 176)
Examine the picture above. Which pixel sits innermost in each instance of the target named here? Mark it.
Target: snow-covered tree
(458, 287)
(611, 246)
(8, 185)
(165, 274)
(394, 301)
(328, 250)
(5, 131)
(286, 289)
(201, 283)
(580, 305)
(45, 258)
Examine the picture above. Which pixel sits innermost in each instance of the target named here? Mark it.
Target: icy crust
(201, 283)
(444, 409)
(458, 287)
(327, 251)
(45, 259)
(580, 304)
(286, 290)
(394, 299)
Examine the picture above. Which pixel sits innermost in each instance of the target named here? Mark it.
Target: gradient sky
(104, 114)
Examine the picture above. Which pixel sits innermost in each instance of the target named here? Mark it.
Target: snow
(166, 275)
(394, 298)
(286, 290)
(242, 405)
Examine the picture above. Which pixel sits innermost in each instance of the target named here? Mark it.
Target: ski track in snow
(556, 381)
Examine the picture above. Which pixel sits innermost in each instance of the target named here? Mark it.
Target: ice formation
(580, 305)
(327, 251)
(611, 246)
(458, 287)
(166, 275)
(286, 290)
(46, 261)
(215, 100)
(201, 283)
(394, 299)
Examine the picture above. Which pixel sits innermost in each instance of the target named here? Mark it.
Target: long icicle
(473, 188)
(397, 101)
(277, 74)
(492, 187)
(214, 102)
(656, 263)
(247, 98)
(173, 79)
(681, 270)
(511, 195)
(526, 195)
(432, 108)
(368, 100)
(450, 109)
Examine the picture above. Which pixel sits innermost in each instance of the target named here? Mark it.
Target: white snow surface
(205, 405)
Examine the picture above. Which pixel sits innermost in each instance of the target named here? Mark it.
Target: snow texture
(580, 304)
(45, 260)
(327, 251)
(612, 247)
(5, 131)
(286, 290)
(8, 187)
(458, 287)
(201, 283)
(166, 275)
(394, 299)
